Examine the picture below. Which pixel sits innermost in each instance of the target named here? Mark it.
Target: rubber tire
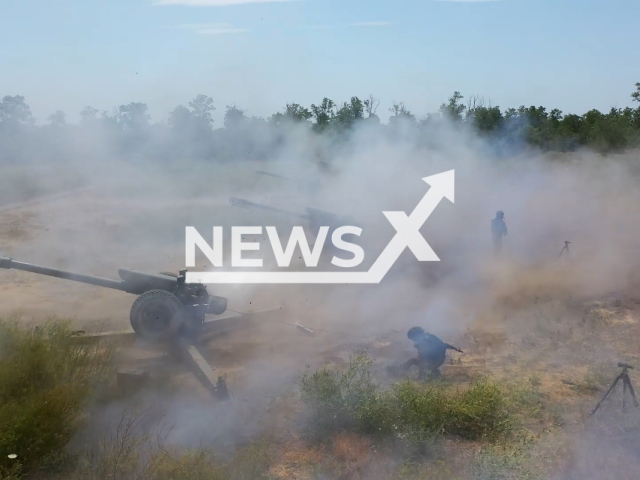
(164, 300)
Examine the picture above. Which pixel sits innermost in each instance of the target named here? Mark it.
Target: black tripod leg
(606, 394)
(624, 394)
(627, 382)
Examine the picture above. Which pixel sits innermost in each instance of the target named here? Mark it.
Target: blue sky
(66, 54)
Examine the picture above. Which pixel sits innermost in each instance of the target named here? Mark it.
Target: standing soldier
(498, 230)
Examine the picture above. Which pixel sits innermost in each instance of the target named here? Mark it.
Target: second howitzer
(315, 218)
(167, 307)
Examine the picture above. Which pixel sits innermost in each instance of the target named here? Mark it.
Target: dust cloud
(120, 208)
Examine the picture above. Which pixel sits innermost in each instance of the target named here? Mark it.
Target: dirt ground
(557, 339)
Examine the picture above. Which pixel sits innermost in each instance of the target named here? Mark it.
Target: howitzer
(166, 308)
(308, 185)
(316, 218)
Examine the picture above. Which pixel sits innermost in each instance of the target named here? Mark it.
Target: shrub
(476, 412)
(350, 401)
(45, 379)
(342, 400)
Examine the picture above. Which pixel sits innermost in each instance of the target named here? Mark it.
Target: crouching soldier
(431, 353)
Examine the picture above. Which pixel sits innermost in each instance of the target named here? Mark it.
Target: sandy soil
(95, 232)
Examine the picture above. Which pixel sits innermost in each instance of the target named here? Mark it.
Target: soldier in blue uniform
(431, 353)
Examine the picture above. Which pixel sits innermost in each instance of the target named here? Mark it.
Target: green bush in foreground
(350, 400)
(45, 379)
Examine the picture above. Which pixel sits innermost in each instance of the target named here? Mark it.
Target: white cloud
(371, 24)
(212, 28)
(358, 24)
(212, 3)
(317, 27)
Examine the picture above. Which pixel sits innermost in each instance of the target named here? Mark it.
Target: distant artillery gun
(304, 185)
(315, 218)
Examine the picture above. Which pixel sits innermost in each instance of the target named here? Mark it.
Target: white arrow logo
(407, 235)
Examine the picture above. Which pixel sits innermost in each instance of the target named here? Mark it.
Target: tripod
(626, 382)
(565, 249)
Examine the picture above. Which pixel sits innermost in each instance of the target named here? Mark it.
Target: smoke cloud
(125, 196)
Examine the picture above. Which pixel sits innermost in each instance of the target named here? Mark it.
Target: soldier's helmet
(415, 332)
(499, 214)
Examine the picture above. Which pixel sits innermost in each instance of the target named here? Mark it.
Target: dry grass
(130, 452)
(46, 378)
(408, 431)
(298, 460)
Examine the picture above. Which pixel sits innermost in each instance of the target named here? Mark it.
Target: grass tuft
(46, 377)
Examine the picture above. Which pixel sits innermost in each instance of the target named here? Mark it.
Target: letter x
(407, 230)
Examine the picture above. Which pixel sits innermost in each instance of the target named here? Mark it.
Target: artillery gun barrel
(239, 202)
(8, 263)
(166, 306)
(262, 172)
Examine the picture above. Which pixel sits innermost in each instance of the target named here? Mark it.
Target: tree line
(190, 130)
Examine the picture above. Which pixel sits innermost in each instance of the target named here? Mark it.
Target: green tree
(633, 117)
(635, 113)
(350, 112)
(371, 106)
(297, 112)
(570, 130)
(57, 119)
(323, 114)
(400, 114)
(536, 116)
(488, 119)
(293, 112)
(15, 111)
(484, 119)
(133, 117)
(202, 109)
(589, 122)
(612, 132)
(636, 95)
(180, 118)
(454, 109)
(555, 117)
(89, 115)
(234, 117)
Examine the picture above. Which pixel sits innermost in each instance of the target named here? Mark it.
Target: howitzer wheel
(157, 315)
